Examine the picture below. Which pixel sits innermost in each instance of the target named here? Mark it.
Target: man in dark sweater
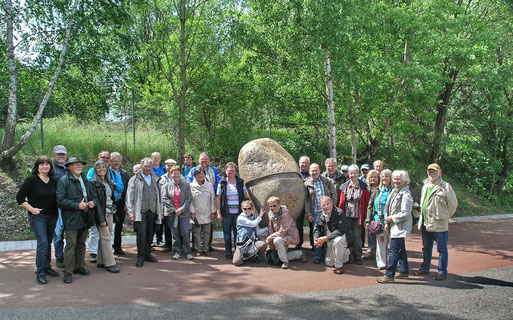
(333, 230)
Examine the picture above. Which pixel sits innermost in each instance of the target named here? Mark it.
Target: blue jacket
(114, 176)
(190, 176)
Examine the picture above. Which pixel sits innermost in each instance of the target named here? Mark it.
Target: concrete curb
(31, 244)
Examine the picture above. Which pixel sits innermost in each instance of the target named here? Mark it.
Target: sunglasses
(246, 209)
(273, 205)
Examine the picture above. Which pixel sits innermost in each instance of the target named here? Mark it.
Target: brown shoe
(420, 272)
(208, 254)
(401, 276)
(197, 253)
(385, 279)
(440, 277)
(339, 270)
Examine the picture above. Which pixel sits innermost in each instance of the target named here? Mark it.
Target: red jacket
(364, 199)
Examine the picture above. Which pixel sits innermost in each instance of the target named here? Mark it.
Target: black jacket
(101, 194)
(337, 224)
(224, 199)
(69, 195)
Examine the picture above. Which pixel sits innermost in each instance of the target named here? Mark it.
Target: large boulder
(269, 170)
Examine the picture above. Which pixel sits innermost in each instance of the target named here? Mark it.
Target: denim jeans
(397, 255)
(43, 227)
(441, 246)
(229, 227)
(58, 238)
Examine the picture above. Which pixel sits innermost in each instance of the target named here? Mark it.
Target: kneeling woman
(104, 216)
(399, 206)
(247, 226)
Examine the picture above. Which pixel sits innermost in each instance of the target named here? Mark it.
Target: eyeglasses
(273, 205)
(246, 209)
(104, 157)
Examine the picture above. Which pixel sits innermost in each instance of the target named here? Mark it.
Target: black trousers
(299, 224)
(144, 229)
(168, 243)
(119, 219)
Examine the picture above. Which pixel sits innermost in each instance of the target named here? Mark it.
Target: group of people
(164, 199)
(378, 202)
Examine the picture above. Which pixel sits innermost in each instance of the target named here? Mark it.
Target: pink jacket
(283, 226)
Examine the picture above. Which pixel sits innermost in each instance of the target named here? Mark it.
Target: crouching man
(331, 234)
(283, 233)
(247, 227)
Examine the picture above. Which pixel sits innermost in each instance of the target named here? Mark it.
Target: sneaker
(41, 279)
(189, 256)
(113, 269)
(60, 263)
(303, 258)
(339, 270)
(440, 277)
(385, 279)
(119, 251)
(67, 278)
(52, 273)
(420, 272)
(285, 265)
(401, 276)
(176, 256)
(92, 258)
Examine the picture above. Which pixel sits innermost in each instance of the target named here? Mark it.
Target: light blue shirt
(147, 179)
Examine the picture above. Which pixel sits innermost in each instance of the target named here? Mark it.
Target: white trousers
(92, 242)
(282, 247)
(337, 254)
(381, 244)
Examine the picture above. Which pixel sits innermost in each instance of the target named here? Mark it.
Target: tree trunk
(10, 124)
(443, 105)
(11, 151)
(183, 90)
(353, 133)
(331, 109)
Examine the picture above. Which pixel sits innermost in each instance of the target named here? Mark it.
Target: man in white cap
(438, 203)
(60, 155)
(364, 170)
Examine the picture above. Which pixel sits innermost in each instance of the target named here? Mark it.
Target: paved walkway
(473, 247)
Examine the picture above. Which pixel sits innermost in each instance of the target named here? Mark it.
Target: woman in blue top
(377, 208)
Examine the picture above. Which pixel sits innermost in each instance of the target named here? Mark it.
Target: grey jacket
(168, 195)
(134, 197)
(400, 205)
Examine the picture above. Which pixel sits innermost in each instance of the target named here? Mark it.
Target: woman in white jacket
(203, 207)
(398, 222)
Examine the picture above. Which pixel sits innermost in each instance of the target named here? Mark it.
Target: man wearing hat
(75, 197)
(60, 170)
(364, 170)
(438, 204)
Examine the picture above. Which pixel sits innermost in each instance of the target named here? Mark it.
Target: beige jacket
(441, 206)
(134, 197)
(203, 201)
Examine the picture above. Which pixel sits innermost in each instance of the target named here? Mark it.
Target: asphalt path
(478, 295)
(479, 286)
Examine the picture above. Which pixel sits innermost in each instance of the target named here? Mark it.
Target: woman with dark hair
(104, 216)
(37, 194)
(230, 194)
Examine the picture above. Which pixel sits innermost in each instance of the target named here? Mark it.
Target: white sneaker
(189, 256)
(176, 256)
(285, 265)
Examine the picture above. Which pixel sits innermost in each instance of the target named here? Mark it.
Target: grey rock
(269, 170)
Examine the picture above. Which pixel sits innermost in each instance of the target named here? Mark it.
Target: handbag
(89, 217)
(273, 258)
(247, 248)
(376, 226)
